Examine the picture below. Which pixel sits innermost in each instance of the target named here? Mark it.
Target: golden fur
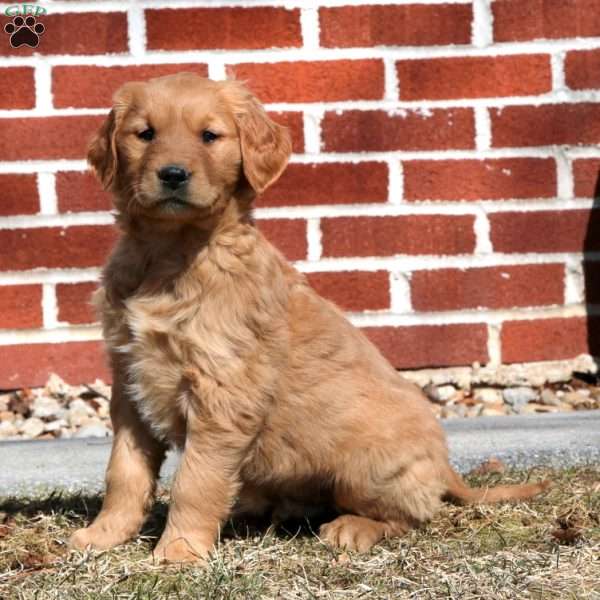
(219, 346)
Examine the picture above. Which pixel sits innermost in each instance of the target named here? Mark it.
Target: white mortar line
(136, 30)
(396, 182)
(43, 87)
(57, 220)
(483, 316)
(49, 276)
(557, 65)
(400, 298)
(216, 69)
(46, 183)
(482, 29)
(309, 23)
(494, 344)
(483, 242)
(483, 128)
(574, 281)
(49, 306)
(409, 263)
(311, 121)
(313, 236)
(564, 176)
(41, 336)
(392, 85)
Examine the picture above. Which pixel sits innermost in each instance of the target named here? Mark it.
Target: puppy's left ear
(266, 146)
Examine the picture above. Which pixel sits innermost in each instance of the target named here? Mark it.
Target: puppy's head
(181, 146)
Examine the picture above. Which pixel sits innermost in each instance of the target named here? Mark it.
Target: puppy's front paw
(181, 549)
(97, 538)
(352, 532)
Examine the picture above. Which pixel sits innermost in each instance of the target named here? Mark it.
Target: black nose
(173, 176)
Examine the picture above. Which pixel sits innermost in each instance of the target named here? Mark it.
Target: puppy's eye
(209, 136)
(147, 135)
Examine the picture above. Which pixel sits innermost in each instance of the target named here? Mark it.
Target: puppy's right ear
(102, 151)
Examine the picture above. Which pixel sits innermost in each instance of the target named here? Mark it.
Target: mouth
(173, 203)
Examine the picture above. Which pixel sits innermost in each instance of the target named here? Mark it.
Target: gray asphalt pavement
(562, 439)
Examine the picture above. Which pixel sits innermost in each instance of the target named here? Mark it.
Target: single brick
(17, 88)
(74, 302)
(46, 138)
(582, 69)
(78, 33)
(545, 339)
(20, 306)
(329, 183)
(288, 235)
(30, 365)
(90, 86)
(354, 290)
(377, 130)
(295, 123)
(223, 28)
(492, 179)
(431, 345)
(546, 231)
(389, 25)
(586, 176)
(545, 125)
(387, 236)
(488, 287)
(314, 81)
(474, 77)
(18, 195)
(80, 191)
(519, 20)
(54, 247)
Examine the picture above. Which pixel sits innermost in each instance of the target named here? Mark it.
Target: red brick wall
(441, 188)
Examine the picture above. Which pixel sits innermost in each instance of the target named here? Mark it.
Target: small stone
(519, 396)
(97, 430)
(577, 400)
(79, 413)
(474, 411)
(45, 407)
(494, 410)
(33, 427)
(54, 426)
(7, 430)
(534, 407)
(487, 396)
(55, 386)
(7, 415)
(446, 392)
(549, 398)
(4, 401)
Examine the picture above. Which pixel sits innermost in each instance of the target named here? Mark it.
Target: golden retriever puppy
(219, 347)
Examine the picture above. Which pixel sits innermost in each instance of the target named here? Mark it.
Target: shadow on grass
(81, 509)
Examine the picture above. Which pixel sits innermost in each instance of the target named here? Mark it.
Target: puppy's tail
(460, 493)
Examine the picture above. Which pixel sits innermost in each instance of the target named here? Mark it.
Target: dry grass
(548, 548)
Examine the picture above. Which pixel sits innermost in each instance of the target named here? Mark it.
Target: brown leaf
(492, 465)
(568, 535)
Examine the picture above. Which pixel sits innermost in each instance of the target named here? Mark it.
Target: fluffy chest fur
(213, 333)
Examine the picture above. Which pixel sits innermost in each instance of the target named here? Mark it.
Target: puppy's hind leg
(383, 504)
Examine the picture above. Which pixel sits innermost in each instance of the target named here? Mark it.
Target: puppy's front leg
(205, 485)
(133, 467)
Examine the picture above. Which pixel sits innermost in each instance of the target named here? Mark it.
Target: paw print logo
(24, 32)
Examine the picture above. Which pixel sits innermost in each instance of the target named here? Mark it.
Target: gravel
(62, 411)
